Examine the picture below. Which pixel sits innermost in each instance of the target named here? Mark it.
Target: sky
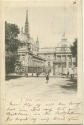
(49, 23)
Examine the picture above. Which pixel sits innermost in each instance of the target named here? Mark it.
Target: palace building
(59, 58)
(32, 59)
(28, 60)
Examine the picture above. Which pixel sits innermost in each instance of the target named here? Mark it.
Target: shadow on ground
(71, 84)
(12, 77)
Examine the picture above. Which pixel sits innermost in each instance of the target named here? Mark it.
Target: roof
(37, 56)
(55, 50)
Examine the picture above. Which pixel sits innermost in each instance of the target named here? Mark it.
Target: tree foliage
(74, 50)
(11, 46)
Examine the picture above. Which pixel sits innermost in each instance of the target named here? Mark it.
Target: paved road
(38, 88)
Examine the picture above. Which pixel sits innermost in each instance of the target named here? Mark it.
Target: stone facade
(28, 60)
(59, 59)
(32, 59)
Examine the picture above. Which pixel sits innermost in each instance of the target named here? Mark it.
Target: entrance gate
(57, 68)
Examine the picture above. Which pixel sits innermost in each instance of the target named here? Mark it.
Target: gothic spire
(37, 44)
(21, 30)
(37, 38)
(26, 15)
(27, 25)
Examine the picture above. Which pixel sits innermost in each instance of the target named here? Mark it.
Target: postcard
(41, 62)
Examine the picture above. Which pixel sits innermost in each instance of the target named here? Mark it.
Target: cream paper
(23, 102)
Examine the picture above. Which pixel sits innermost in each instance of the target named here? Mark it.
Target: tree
(11, 46)
(74, 50)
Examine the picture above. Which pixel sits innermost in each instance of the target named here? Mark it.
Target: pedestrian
(72, 73)
(26, 74)
(37, 74)
(32, 74)
(67, 73)
(47, 77)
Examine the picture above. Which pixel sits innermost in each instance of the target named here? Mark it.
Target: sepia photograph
(41, 50)
(42, 62)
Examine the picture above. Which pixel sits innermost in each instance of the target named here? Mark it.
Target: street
(38, 88)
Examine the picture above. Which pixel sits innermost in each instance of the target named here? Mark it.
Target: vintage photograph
(43, 55)
(41, 50)
(41, 66)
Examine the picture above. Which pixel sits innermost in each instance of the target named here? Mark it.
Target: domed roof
(63, 42)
